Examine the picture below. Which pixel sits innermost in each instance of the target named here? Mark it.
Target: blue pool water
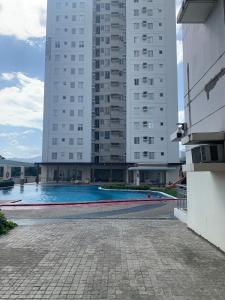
(32, 193)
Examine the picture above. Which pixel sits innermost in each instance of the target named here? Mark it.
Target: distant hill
(35, 159)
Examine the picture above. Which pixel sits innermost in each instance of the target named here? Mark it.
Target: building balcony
(116, 140)
(195, 11)
(116, 125)
(117, 134)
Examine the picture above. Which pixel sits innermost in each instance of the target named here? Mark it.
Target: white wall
(204, 46)
(206, 206)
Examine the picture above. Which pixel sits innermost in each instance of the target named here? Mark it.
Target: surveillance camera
(179, 135)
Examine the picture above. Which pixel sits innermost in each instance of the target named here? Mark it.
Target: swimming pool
(39, 194)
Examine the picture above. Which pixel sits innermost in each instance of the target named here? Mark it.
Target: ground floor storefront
(127, 173)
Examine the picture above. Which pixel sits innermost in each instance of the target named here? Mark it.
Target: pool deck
(116, 251)
(122, 210)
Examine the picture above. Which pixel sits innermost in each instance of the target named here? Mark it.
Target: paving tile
(110, 259)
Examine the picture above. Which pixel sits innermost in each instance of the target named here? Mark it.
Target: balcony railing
(182, 196)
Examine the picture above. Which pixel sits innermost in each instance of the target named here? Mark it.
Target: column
(127, 176)
(137, 177)
(7, 173)
(22, 175)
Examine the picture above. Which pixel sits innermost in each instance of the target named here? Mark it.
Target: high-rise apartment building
(110, 91)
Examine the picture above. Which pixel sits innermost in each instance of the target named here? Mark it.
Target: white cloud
(179, 52)
(179, 35)
(181, 117)
(20, 151)
(7, 76)
(23, 19)
(22, 104)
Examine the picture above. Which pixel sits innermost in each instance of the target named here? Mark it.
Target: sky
(22, 51)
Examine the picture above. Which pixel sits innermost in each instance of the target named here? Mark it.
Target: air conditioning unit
(208, 154)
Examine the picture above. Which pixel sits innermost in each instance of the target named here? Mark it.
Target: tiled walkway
(109, 259)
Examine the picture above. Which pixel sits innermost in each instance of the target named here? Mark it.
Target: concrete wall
(206, 206)
(204, 46)
(204, 51)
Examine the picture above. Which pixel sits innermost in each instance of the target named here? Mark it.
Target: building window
(80, 127)
(136, 53)
(54, 141)
(80, 112)
(80, 84)
(71, 127)
(81, 44)
(136, 155)
(71, 141)
(70, 155)
(145, 154)
(136, 96)
(57, 44)
(107, 135)
(136, 67)
(151, 155)
(79, 155)
(80, 99)
(79, 141)
(81, 57)
(151, 140)
(136, 140)
(54, 155)
(54, 127)
(57, 57)
(136, 81)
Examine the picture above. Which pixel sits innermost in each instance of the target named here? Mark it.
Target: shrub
(123, 186)
(5, 225)
(6, 183)
(169, 191)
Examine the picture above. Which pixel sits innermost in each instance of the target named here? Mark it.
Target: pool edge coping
(86, 203)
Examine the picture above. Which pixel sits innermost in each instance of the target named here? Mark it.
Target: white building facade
(204, 65)
(68, 85)
(151, 87)
(110, 91)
